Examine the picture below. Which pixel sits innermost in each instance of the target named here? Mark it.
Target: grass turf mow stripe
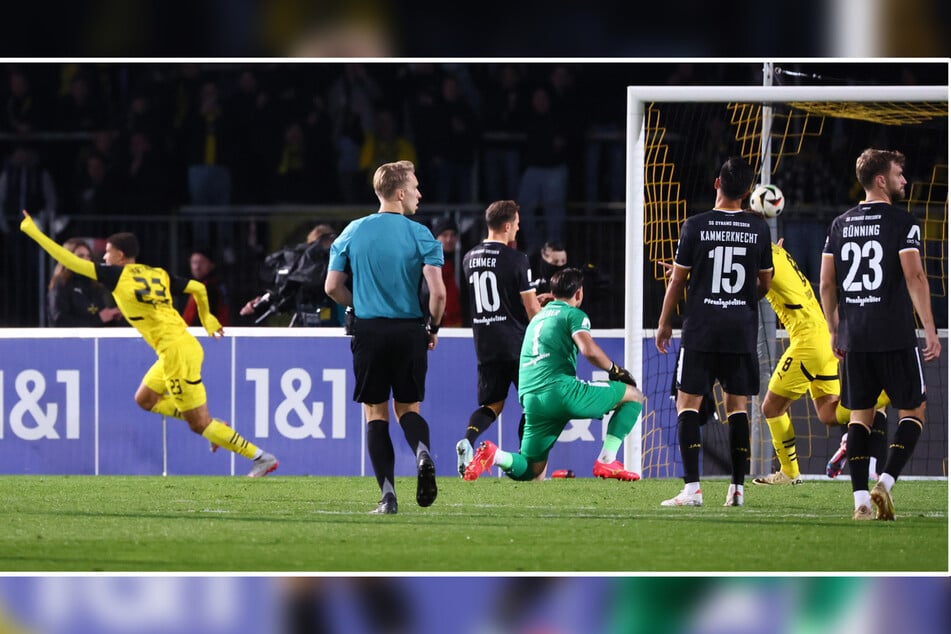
(320, 524)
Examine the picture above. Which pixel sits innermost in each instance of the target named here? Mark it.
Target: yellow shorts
(807, 365)
(177, 372)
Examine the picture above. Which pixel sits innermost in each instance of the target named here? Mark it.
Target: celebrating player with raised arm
(172, 386)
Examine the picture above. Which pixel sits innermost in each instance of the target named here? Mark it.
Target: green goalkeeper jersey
(548, 350)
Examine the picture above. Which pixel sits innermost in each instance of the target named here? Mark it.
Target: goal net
(805, 140)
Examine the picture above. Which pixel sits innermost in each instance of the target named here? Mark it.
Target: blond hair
(390, 177)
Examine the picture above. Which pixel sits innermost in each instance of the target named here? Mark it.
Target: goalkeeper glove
(617, 373)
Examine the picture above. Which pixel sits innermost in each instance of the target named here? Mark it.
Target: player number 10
(486, 291)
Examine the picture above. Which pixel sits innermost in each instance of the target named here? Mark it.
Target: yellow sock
(166, 407)
(784, 442)
(220, 434)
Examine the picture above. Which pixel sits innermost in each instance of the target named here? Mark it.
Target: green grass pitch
(320, 525)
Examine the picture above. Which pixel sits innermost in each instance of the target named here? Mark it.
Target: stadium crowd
(85, 144)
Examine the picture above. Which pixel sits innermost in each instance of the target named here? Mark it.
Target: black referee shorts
(389, 355)
(866, 374)
(738, 373)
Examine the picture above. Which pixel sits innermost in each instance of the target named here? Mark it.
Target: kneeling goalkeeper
(551, 394)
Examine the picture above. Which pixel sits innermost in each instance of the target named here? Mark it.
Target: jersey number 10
(486, 291)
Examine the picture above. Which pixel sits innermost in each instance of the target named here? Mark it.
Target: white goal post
(638, 99)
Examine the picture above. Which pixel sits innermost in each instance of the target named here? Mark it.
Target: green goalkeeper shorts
(547, 412)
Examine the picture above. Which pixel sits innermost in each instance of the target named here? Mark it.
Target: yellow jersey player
(172, 386)
(808, 364)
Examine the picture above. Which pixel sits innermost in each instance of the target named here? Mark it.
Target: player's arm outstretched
(599, 359)
(68, 259)
(211, 324)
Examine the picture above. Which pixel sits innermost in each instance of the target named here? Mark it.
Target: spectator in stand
(24, 109)
(385, 144)
(447, 233)
(144, 177)
(351, 103)
(98, 193)
(26, 184)
(553, 257)
(77, 301)
(204, 269)
(550, 259)
(207, 152)
(544, 181)
(505, 106)
(143, 116)
(319, 130)
(205, 145)
(295, 175)
(456, 136)
(80, 109)
(252, 128)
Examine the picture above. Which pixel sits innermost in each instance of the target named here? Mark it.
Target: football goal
(805, 139)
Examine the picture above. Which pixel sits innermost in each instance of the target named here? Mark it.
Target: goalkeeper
(172, 386)
(551, 394)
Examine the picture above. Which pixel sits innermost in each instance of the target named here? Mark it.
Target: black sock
(878, 441)
(521, 429)
(416, 430)
(688, 433)
(857, 452)
(479, 421)
(380, 448)
(906, 437)
(739, 445)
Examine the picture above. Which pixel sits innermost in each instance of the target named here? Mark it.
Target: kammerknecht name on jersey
(742, 237)
(862, 301)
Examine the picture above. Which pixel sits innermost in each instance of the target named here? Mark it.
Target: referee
(388, 256)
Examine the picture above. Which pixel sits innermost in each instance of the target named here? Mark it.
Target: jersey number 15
(724, 267)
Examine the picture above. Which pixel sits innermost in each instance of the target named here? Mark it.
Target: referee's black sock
(739, 445)
(380, 448)
(480, 420)
(688, 433)
(906, 437)
(857, 451)
(416, 431)
(878, 441)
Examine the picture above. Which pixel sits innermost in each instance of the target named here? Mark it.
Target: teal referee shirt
(386, 253)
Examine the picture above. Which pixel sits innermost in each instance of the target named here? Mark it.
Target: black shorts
(738, 374)
(389, 354)
(898, 372)
(495, 377)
